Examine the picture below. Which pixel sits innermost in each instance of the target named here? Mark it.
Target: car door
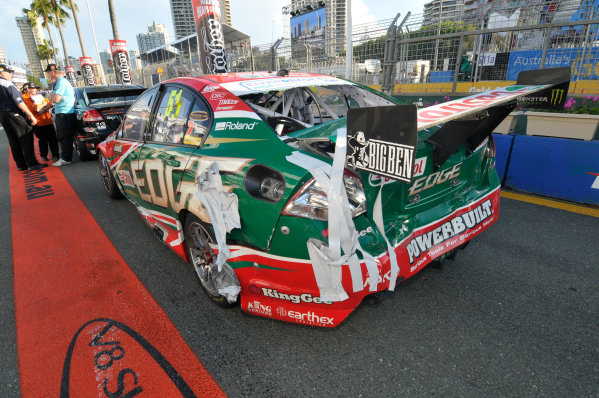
(181, 121)
(128, 144)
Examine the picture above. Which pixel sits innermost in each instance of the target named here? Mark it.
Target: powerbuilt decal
(463, 225)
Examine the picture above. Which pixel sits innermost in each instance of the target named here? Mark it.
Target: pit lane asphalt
(516, 314)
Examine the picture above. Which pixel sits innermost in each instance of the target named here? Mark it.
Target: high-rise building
(437, 10)
(135, 60)
(183, 20)
(2, 56)
(33, 36)
(106, 60)
(157, 36)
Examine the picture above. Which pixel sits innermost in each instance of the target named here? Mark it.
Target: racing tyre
(199, 242)
(108, 179)
(81, 150)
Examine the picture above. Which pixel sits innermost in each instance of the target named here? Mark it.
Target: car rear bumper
(286, 289)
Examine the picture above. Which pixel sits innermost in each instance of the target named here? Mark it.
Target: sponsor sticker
(294, 298)
(424, 183)
(125, 178)
(221, 126)
(436, 241)
(198, 116)
(308, 318)
(382, 140)
(218, 95)
(256, 307)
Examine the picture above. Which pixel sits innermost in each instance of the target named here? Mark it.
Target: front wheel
(108, 179)
(199, 241)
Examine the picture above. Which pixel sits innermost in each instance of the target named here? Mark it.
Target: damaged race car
(297, 194)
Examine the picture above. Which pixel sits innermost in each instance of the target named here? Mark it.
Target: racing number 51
(173, 100)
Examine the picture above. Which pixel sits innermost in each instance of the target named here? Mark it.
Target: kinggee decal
(294, 298)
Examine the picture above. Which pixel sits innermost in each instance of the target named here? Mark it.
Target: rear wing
(472, 119)
(382, 140)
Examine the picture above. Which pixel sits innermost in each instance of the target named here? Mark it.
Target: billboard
(87, 70)
(583, 67)
(309, 27)
(211, 39)
(70, 75)
(120, 61)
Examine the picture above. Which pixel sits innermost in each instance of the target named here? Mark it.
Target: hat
(29, 85)
(5, 68)
(51, 67)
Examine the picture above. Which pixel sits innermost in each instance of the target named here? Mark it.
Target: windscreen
(303, 107)
(113, 97)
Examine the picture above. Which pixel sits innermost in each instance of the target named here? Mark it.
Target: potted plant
(578, 120)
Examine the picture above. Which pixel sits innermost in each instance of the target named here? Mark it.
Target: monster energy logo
(556, 96)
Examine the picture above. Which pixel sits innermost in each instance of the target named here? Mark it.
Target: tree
(34, 80)
(45, 52)
(59, 8)
(115, 29)
(39, 9)
(448, 46)
(74, 10)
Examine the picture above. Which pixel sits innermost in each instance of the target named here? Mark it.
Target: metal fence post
(458, 64)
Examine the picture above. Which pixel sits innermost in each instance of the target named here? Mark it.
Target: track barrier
(556, 167)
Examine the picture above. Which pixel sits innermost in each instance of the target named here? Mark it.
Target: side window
(171, 117)
(198, 124)
(136, 120)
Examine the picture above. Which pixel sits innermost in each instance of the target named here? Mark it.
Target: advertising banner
(211, 38)
(71, 76)
(583, 68)
(120, 61)
(87, 70)
(382, 140)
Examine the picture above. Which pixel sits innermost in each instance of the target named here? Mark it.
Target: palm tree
(115, 30)
(74, 10)
(45, 52)
(58, 7)
(37, 10)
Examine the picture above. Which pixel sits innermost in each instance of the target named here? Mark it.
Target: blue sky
(262, 22)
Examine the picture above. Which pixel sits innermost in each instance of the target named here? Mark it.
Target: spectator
(44, 130)
(63, 98)
(15, 125)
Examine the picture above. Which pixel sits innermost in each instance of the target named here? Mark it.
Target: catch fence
(478, 45)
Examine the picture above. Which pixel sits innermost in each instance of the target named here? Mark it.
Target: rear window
(112, 97)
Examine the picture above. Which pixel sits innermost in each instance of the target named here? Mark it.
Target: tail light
(490, 151)
(92, 115)
(312, 201)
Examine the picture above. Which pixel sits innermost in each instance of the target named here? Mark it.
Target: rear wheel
(199, 241)
(108, 179)
(81, 150)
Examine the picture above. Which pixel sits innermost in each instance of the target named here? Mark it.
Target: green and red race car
(297, 194)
